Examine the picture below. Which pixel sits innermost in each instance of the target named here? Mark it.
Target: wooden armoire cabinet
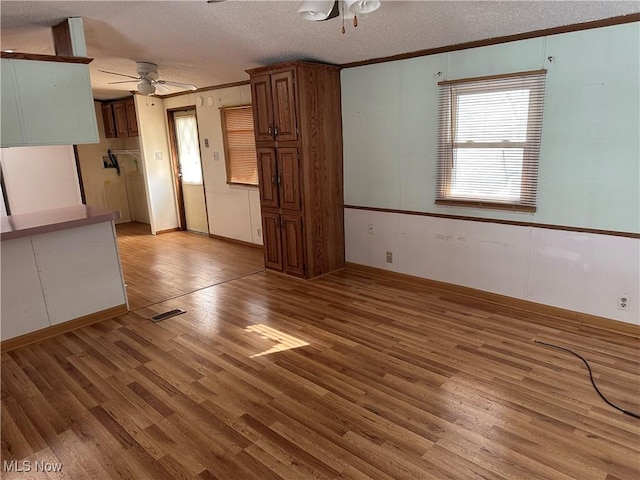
(298, 132)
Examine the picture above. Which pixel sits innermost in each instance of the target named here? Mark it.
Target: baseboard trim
(234, 240)
(60, 328)
(539, 308)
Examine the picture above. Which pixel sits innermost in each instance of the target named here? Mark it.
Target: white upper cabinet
(46, 103)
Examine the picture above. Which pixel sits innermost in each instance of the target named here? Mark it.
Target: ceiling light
(10, 50)
(318, 10)
(359, 7)
(145, 87)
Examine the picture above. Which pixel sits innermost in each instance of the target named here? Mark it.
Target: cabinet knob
(270, 130)
(275, 130)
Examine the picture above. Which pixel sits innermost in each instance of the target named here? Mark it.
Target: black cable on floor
(632, 414)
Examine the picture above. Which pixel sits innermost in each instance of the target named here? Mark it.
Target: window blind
(489, 140)
(239, 145)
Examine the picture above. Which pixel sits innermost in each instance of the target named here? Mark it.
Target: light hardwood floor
(159, 267)
(351, 375)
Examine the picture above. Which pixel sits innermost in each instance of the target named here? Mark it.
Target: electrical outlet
(623, 302)
(389, 257)
(259, 231)
(371, 229)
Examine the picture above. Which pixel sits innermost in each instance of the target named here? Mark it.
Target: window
(489, 141)
(188, 147)
(239, 145)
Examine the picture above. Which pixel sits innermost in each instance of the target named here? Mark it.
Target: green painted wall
(590, 155)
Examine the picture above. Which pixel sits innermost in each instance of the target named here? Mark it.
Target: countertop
(35, 223)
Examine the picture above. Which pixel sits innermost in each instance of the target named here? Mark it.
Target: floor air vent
(171, 313)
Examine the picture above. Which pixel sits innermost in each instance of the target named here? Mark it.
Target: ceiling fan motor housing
(146, 68)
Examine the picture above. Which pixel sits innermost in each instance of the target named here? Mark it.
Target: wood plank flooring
(159, 267)
(349, 376)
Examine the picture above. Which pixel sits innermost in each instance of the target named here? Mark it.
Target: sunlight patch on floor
(285, 341)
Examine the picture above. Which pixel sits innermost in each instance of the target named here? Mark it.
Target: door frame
(175, 166)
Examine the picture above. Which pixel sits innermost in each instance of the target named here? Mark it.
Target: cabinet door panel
(292, 244)
(267, 177)
(289, 181)
(284, 106)
(120, 116)
(132, 120)
(107, 119)
(272, 240)
(56, 103)
(262, 108)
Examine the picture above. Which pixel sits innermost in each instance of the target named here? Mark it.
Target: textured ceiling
(212, 44)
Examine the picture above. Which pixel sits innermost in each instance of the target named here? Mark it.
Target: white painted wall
(156, 163)
(589, 170)
(40, 178)
(589, 174)
(582, 272)
(233, 210)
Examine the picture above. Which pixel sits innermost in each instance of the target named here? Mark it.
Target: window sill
(243, 184)
(487, 205)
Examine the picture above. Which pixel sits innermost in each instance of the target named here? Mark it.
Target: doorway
(187, 170)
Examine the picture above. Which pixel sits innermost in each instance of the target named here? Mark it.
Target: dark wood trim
(494, 77)
(234, 240)
(481, 204)
(83, 197)
(60, 328)
(269, 69)
(168, 230)
(606, 22)
(566, 228)
(175, 169)
(538, 308)
(46, 58)
(206, 89)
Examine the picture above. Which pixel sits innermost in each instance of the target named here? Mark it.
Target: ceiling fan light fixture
(318, 10)
(145, 87)
(359, 7)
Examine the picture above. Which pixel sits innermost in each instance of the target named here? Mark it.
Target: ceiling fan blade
(188, 86)
(161, 87)
(124, 81)
(121, 74)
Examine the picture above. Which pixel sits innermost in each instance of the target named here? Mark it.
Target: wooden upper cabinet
(120, 118)
(274, 107)
(267, 177)
(284, 106)
(120, 115)
(289, 178)
(108, 120)
(132, 119)
(262, 108)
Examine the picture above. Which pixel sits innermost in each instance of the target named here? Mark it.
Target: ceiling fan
(148, 79)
